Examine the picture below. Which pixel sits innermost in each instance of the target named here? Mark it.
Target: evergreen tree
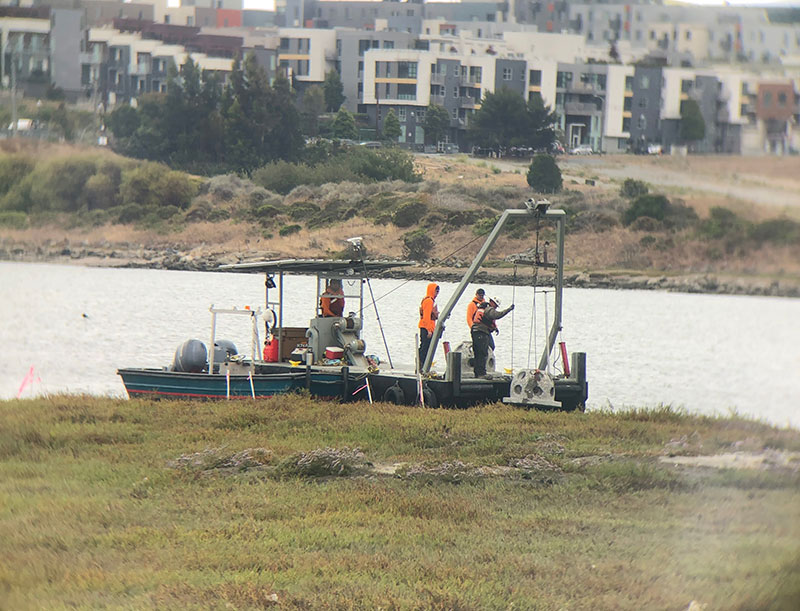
(344, 125)
(334, 91)
(693, 126)
(505, 120)
(391, 127)
(436, 123)
(544, 175)
(313, 105)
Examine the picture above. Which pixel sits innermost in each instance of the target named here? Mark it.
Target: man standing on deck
(428, 313)
(483, 324)
(472, 306)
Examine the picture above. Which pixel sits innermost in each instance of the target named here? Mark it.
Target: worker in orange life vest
(428, 313)
(472, 306)
(483, 325)
(333, 305)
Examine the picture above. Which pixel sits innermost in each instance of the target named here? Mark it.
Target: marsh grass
(108, 503)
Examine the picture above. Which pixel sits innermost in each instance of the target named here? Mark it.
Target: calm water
(707, 353)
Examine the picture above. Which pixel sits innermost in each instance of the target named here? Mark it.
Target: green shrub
(139, 184)
(484, 225)
(199, 211)
(409, 214)
(417, 245)
(218, 214)
(289, 230)
(167, 212)
(130, 213)
(58, 185)
(281, 176)
(592, 220)
(721, 223)
(654, 206)
(267, 212)
(776, 231)
(100, 192)
(13, 219)
(459, 218)
(544, 175)
(301, 211)
(13, 168)
(175, 189)
(633, 188)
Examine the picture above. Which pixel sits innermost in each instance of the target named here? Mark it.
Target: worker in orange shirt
(333, 304)
(472, 306)
(428, 314)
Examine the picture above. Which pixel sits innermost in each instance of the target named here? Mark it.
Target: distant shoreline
(683, 282)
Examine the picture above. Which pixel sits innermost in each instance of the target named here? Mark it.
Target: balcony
(467, 102)
(580, 108)
(437, 79)
(437, 99)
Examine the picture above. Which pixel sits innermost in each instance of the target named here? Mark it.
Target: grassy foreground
(108, 503)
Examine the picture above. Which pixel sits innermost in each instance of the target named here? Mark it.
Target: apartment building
(351, 46)
(306, 55)
(120, 66)
(408, 80)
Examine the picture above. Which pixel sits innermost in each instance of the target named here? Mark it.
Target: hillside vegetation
(401, 205)
(296, 504)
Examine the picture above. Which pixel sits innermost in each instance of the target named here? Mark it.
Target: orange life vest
(428, 312)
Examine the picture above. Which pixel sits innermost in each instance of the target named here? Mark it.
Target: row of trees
(199, 124)
(202, 126)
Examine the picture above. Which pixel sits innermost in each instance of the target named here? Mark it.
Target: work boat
(329, 359)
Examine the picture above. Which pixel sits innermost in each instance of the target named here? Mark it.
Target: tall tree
(344, 125)
(505, 120)
(391, 127)
(693, 126)
(312, 106)
(436, 123)
(334, 91)
(541, 120)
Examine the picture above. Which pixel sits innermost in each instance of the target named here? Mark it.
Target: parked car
(582, 149)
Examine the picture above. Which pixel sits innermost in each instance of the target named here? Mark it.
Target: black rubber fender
(431, 400)
(394, 394)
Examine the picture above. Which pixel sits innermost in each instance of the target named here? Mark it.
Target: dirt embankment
(616, 257)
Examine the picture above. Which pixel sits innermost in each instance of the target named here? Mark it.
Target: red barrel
(271, 350)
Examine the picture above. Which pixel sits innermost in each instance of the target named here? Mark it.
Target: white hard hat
(496, 301)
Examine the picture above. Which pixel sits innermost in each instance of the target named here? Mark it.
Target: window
(388, 44)
(455, 92)
(626, 124)
(688, 35)
(284, 44)
(507, 74)
(536, 77)
(475, 74)
(401, 114)
(767, 99)
(628, 104)
(406, 91)
(686, 86)
(644, 82)
(628, 83)
(407, 69)
(642, 103)
(363, 45)
(455, 113)
(782, 99)
(421, 115)
(563, 79)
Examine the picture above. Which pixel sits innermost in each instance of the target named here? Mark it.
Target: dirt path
(698, 175)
